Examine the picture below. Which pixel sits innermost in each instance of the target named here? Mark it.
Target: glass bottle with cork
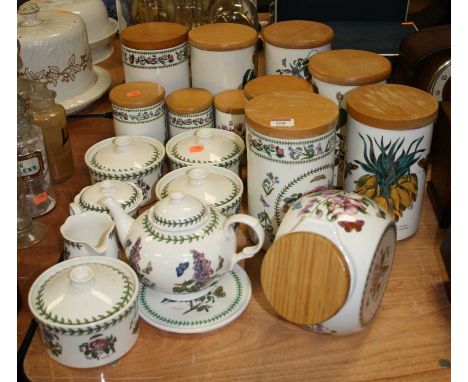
(32, 163)
(51, 118)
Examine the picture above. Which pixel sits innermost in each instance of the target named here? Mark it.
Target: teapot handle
(255, 225)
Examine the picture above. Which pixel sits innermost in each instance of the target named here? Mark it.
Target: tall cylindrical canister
(188, 109)
(222, 56)
(290, 44)
(156, 52)
(275, 83)
(389, 139)
(335, 73)
(290, 141)
(138, 109)
(229, 111)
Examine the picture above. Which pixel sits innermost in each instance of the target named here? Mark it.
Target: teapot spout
(122, 221)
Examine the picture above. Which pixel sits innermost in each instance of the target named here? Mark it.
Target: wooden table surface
(408, 338)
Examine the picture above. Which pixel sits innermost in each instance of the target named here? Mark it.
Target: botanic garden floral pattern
(155, 59)
(134, 260)
(298, 67)
(138, 115)
(191, 121)
(51, 341)
(388, 179)
(145, 187)
(203, 274)
(98, 347)
(201, 304)
(336, 206)
(238, 128)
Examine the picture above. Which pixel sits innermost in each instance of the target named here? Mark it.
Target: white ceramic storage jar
(222, 56)
(229, 111)
(138, 109)
(275, 83)
(290, 44)
(330, 262)
(206, 147)
(189, 109)
(87, 311)
(290, 142)
(136, 159)
(156, 52)
(334, 73)
(387, 149)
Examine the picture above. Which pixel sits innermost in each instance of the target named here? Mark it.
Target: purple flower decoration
(202, 267)
(135, 257)
(279, 152)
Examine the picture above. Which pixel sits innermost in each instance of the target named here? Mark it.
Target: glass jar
(131, 12)
(237, 11)
(32, 163)
(50, 117)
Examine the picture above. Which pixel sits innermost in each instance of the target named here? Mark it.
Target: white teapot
(181, 247)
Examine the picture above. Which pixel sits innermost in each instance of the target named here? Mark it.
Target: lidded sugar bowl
(181, 247)
(330, 262)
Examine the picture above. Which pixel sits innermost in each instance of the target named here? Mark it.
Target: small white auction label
(282, 123)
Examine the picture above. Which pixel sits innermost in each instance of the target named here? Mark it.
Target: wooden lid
(349, 67)
(134, 95)
(305, 278)
(298, 34)
(391, 106)
(312, 114)
(153, 36)
(222, 36)
(189, 101)
(230, 101)
(274, 82)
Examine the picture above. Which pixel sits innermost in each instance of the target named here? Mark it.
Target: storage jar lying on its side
(138, 109)
(330, 262)
(189, 109)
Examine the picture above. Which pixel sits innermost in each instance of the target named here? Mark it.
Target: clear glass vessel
(32, 163)
(237, 11)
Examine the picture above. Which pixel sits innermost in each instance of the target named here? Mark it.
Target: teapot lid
(179, 211)
(205, 146)
(212, 184)
(126, 194)
(305, 278)
(83, 291)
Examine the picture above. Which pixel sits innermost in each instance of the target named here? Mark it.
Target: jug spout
(123, 222)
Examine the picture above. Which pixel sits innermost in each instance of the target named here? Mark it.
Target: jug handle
(255, 225)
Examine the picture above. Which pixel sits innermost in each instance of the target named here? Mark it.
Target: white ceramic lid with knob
(125, 154)
(126, 194)
(205, 146)
(83, 291)
(212, 184)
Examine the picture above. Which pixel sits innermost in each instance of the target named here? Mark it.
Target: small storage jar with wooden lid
(290, 138)
(156, 52)
(335, 73)
(138, 109)
(290, 44)
(229, 111)
(222, 56)
(275, 83)
(387, 148)
(187, 109)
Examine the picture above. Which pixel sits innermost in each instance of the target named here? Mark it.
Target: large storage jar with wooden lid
(334, 73)
(389, 139)
(156, 52)
(222, 56)
(290, 44)
(188, 109)
(275, 83)
(138, 109)
(290, 140)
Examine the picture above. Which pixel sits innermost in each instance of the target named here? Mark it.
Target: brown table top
(408, 337)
